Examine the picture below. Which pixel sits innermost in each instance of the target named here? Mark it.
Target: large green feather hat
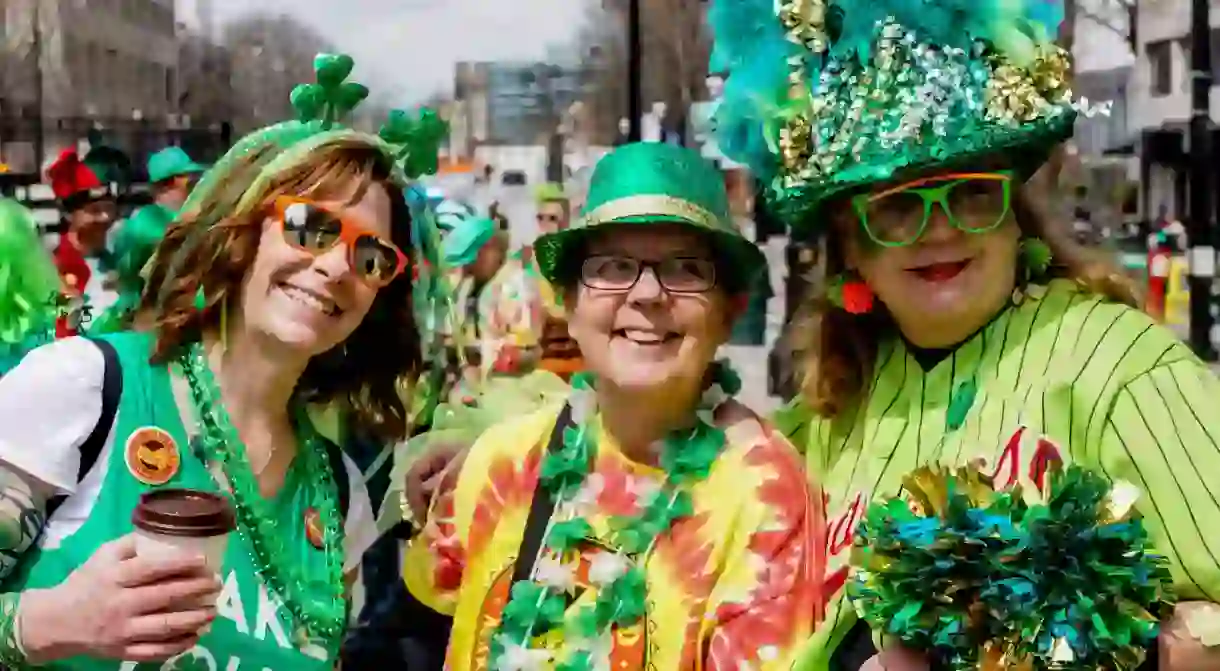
(825, 97)
(654, 183)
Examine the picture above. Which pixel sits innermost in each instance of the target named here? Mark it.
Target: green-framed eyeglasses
(973, 202)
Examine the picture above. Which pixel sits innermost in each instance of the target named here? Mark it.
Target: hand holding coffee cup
(172, 522)
(121, 605)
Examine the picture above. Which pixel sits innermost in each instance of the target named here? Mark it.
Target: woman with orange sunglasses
(956, 322)
(281, 288)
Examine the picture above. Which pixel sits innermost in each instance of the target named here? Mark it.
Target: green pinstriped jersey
(1063, 374)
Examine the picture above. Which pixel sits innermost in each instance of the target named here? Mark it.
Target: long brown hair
(212, 245)
(837, 351)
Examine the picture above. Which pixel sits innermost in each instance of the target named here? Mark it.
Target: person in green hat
(134, 244)
(282, 292)
(957, 323)
(498, 303)
(650, 511)
(171, 173)
(560, 353)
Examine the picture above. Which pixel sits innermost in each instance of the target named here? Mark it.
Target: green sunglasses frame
(934, 195)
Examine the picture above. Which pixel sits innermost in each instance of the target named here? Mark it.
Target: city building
(1104, 65)
(83, 64)
(1161, 101)
(516, 103)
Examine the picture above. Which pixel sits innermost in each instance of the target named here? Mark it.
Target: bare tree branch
(675, 52)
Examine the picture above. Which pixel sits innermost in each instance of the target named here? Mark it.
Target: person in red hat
(87, 208)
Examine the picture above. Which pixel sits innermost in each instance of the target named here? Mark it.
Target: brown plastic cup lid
(188, 513)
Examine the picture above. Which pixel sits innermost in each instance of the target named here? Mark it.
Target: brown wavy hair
(212, 246)
(835, 351)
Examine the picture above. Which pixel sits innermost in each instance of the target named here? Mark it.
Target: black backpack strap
(112, 390)
(541, 508)
(343, 483)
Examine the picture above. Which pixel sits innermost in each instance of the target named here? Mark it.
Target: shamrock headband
(409, 143)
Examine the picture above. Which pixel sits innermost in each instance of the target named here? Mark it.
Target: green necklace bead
(317, 605)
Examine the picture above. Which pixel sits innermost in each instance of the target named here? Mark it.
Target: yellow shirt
(1064, 375)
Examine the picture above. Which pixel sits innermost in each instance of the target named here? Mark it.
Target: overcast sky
(406, 49)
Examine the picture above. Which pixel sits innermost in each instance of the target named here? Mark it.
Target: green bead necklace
(318, 607)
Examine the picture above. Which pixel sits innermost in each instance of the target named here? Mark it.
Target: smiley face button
(152, 456)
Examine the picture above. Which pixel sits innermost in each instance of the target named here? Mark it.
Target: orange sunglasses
(317, 228)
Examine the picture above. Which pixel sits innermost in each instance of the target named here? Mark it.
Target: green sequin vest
(252, 631)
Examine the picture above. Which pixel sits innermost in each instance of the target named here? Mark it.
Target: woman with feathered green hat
(956, 322)
(283, 286)
(648, 520)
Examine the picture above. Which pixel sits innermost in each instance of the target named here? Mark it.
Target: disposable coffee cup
(171, 522)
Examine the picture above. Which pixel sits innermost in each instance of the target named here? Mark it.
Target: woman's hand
(120, 606)
(1179, 648)
(896, 659)
(436, 470)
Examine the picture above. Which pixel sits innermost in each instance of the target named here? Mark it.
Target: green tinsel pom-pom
(922, 565)
(976, 578)
(1093, 591)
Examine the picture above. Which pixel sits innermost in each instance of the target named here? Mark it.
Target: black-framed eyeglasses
(677, 274)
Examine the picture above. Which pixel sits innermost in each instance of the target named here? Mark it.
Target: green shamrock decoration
(627, 594)
(566, 536)
(635, 534)
(532, 604)
(330, 98)
(692, 458)
(418, 140)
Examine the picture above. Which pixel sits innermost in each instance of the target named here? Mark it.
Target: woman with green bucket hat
(282, 288)
(958, 325)
(648, 520)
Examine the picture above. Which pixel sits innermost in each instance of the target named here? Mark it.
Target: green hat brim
(731, 249)
(1024, 148)
(462, 246)
(189, 168)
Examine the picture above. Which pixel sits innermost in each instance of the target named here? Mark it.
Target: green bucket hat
(169, 163)
(461, 246)
(654, 183)
(826, 97)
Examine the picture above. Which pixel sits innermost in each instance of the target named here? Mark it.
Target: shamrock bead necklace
(318, 607)
(538, 605)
